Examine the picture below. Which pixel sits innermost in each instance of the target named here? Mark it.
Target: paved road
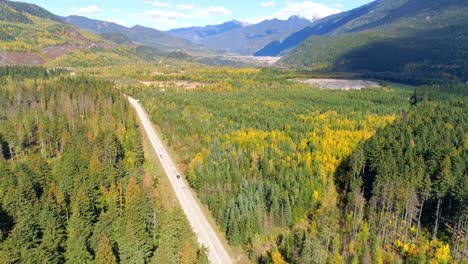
(205, 233)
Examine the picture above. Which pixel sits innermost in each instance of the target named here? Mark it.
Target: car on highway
(161, 156)
(178, 176)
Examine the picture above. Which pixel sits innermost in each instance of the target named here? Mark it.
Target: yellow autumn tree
(277, 258)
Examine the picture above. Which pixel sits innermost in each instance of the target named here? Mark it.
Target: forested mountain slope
(380, 15)
(407, 38)
(418, 41)
(18, 12)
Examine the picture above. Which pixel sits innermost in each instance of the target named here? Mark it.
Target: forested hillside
(19, 12)
(72, 185)
(404, 40)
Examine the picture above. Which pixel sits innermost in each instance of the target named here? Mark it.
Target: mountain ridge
(402, 40)
(16, 12)
(248, 39)
(137, 33)
(196, 32)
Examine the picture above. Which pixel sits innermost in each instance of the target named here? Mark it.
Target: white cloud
(89, 10)
(268, 4)
(307, 9)
(339, 5)
(158, 4)
(165, 15)
(186, 6)
(212, 11)
(183, 15)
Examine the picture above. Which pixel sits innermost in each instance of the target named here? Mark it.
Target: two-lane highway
(207, 237)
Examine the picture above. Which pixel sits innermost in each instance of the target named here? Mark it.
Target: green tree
(80, 227)
(136, 244)
(51, 249)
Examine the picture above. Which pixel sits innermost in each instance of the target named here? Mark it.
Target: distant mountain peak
(241, 23)
(296, 17)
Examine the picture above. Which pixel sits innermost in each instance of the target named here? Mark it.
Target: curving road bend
(207, 237)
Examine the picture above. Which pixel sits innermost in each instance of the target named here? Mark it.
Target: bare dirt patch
(20, 58)
(55, 52)
(179, 84)
(339, 84)
(255, 59)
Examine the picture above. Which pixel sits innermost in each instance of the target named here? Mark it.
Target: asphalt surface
(207, 237)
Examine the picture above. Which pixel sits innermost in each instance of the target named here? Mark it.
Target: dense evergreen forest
(414, 173)
(271, 159)
(72, 184)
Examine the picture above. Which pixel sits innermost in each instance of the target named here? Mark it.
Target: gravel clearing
(338, 84)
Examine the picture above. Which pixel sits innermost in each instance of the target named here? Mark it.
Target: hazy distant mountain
(245, 39)
(196, 33)
(138, 34)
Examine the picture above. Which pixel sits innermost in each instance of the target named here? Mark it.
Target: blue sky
(169, 14)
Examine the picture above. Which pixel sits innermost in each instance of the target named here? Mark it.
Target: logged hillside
(30, 35)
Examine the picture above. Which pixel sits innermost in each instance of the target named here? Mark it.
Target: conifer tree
(136, 245)
(80, 228)
(104, 253)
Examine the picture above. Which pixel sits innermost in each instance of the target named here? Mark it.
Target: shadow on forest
(411, 165)
(407, 10)
(4, 152)
(6, 224)
(443, 57)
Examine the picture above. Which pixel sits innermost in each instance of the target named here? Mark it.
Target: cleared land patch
(179, 84)
(338, 84)
(20, 58)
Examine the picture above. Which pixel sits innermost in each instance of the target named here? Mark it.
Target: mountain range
(138, 34)
(242, 38)
(231, 37)
(195, 34)
(394, 39)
